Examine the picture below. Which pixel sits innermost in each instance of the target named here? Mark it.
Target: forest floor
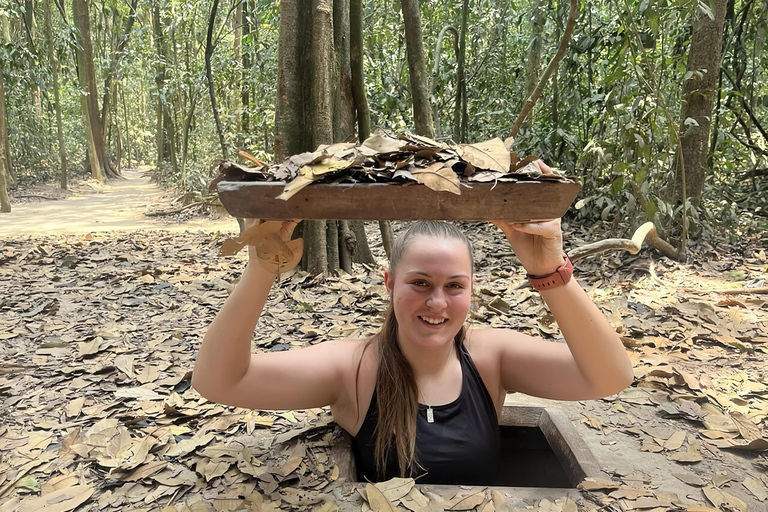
(91, 206)
(102, 310)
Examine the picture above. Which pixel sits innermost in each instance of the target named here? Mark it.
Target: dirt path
(115, 206)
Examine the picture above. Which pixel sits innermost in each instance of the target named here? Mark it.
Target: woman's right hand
(267, 230)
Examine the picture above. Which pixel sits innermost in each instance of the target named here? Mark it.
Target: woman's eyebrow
(426, 274)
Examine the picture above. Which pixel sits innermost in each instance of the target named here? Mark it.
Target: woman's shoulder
(353, 356)
(489, 345)
(489, 341)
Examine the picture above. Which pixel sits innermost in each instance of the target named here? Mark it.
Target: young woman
(422, 397)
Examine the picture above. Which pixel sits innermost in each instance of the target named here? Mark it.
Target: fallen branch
(728, 291)
(35, 196)
(645, 233)
(179, 210)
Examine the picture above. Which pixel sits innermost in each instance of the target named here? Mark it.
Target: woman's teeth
(433, 321)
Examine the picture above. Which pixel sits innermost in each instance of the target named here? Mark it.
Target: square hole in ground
(540, 449)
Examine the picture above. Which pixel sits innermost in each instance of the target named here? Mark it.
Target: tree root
(646, 232)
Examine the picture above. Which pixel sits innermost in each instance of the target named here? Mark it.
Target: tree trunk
(460, 109)
(5, 203)
(116, 56)
(246, 60)
(343, 102)
(346, 246)
(30, 30)
(358, 74)
(698, 101)
(292, 133)
(417, 67)
(332, 244)
(237, 56)
(90, 155)
(362, 252)
(82, 22)
(387, 237)
(6, 152)
(209, 74)
(533, 60)
(127, 133)
(54, 62)
(157, 30)
(313, 107)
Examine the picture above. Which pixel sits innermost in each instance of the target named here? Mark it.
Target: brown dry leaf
(469, 502)
(721, 499)
(329, 506)
(597, 484)
(756, 487)
(757, 445)
(491, 155)
(499, 502)
(62, 500)
(296, 185)
(692, 454)
(395, 488)
(415, 501)
(747, 429)
(326, 166)
(59, 482)
(74, 407)
(696, 508)
(377, 501)
(439, 178)
(675, 441)
(690, 479)
(489, 507)
(592, 422)
(381, 143)
(630, 493)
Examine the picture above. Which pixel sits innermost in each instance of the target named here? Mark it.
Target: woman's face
(432, 291)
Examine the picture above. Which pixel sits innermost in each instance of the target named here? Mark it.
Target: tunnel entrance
(540, 449)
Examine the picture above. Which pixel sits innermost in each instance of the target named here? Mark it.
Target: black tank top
(460, 447)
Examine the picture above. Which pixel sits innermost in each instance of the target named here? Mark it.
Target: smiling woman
(425, 400)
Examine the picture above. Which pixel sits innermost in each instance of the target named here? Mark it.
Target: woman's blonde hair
(397, 398)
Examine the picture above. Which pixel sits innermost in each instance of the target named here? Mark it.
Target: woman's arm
(226, 371)
(594, 363)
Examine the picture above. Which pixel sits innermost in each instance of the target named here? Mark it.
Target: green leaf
(28, 482)
(650, 210)
(617, 185)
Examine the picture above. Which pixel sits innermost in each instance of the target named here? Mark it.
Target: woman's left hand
(539, 244)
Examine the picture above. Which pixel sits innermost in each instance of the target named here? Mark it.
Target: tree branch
(645, 233)
(534, 97)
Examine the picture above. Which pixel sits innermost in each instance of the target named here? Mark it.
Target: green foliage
(610, 114)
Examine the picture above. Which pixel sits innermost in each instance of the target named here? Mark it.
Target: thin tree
(54, 63)
(460, 110)
(6, 151)
(116, 57)
(5, 203)
(209, 75)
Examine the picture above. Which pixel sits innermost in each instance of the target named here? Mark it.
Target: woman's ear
(389, 281)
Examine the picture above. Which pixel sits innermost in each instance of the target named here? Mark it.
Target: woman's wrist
(559, 277)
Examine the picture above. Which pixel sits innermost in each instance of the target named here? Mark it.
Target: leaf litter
(99, 335)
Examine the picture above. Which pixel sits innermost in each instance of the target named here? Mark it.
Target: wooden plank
(512, 495)
(520, 415)
(570, 449)
(517, 201)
